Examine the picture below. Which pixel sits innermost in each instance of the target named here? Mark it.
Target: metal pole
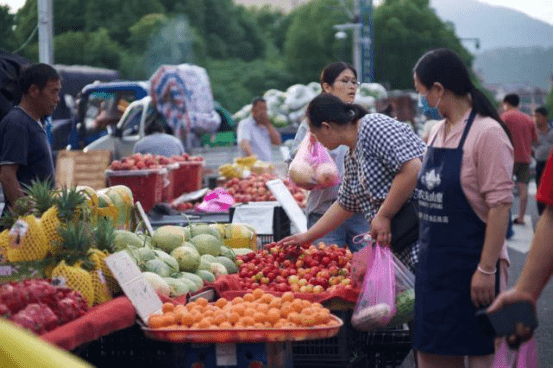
(356, 50)
(366, 44)
(45, 32)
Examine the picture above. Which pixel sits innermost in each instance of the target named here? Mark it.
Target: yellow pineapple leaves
(111, 211)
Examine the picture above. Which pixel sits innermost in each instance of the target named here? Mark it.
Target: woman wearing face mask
(381, 166)
(464, 193)
(338, 79)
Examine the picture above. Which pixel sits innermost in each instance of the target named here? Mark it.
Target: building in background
(284, 5)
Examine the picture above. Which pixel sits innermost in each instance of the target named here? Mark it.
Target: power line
(27, 41)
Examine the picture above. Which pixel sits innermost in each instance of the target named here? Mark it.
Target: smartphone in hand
(503, 322)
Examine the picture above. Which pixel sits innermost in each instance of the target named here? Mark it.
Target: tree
(310, 42)
(403, 31)
(7, 37)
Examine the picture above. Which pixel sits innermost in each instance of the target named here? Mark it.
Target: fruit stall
(222, 294)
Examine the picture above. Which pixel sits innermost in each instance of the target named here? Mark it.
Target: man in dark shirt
(25, 154)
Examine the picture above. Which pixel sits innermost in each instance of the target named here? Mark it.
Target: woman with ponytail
(464, 193)
(380, 169)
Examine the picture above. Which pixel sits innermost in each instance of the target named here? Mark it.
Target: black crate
(354, 349)
(281, 225)
(127, 347)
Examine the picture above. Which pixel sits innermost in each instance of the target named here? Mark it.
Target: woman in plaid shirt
(381, 168)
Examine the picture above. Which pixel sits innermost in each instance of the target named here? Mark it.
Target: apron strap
(466, 129)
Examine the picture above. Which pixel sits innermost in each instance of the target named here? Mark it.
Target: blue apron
(451, 239)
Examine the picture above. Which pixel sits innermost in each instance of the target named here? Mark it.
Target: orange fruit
(156, 321)
(237, 300)
(262, 307)
(249, 297)
(233, 317)
(221, 302)
(205, 323)
(322, 318)
(196, 316)
(179, 308)
(286, 308)
(294, 317)
(306, 303)
(247, 321)
(273, 315)
(239, 309)
(307, 320)
(168, 307)
(266, 298)
(287, 296)
(208, 313)
(258, 293)
(202, 302)
(187, 319)
(225, 325)
(259, 325)
(297, 306)
(275, 303)
(249, 312)
(259, 317)
(218, 319)
(169, 319)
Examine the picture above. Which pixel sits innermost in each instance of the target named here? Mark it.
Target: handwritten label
(134, 285)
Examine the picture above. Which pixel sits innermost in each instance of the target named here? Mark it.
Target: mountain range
(514, 49)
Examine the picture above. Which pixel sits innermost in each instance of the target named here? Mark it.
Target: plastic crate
(188, 177)
(352, 348)
(281, 226)
(168, 192)
(147, 185)
(128, 347)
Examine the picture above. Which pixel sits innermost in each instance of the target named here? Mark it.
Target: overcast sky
(540, 9)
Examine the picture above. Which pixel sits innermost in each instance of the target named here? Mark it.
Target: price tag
(226, 355)
(134, 285)
(291, 207)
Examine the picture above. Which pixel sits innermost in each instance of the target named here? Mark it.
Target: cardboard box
(82, 168)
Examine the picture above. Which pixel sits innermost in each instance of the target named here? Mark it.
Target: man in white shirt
(256, 134)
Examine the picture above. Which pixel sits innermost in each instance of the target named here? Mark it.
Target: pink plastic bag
(376, 304)
(312, 167)
(217, 200)
(524, 357)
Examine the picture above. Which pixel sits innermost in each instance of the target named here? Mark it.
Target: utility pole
(366, 42)
(45, 32)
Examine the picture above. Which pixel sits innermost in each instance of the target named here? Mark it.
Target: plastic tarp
(182, 94)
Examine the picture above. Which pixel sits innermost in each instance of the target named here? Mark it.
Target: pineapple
(4, 244)
(23, 206)
(43, 201)
(71, 205)
(104, 238)
(74, 247)
(27, 241)
(76, 278)
(100, 287)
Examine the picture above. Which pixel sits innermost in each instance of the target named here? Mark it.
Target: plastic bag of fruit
(312, 167)
(405, 293)
(375, 307)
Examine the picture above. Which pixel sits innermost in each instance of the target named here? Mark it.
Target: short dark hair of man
(39, 74)
(541, 110)
(257, 100)
(512, 99)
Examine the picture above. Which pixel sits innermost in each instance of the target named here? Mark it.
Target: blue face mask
(432, 112)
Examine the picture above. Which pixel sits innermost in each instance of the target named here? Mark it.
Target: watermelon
(158, 283)
(168, 237)
(205, 275)
(207, 244)
(177, 287)
(208, 258)
(197, 280)
(204, 265)
(124, 238)
(218, 269)
(230, 266)
(169, 260)
(187, 258)
(158, 267)
(228, 252)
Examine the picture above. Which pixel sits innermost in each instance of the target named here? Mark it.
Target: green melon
(89, 192)
(189, 283)
(187, 233)
(230, 266)
(242, 251)
(123, 206)
(220, 229)
(168, 237)
(103, 200)
(218, 269)
(169, 260)
(124, 238)
(208, 258)
(228, 252)
(204, 265)
(146, 240)
(187, 258)
(206, 275)
(146, 253)
(190, 245)
(197, 280)
(158, 267)
(177, 287)
(199, 229)
(207, 244)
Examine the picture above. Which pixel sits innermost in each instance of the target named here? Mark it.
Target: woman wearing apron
(464, 194)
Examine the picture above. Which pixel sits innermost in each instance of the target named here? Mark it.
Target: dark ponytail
(326, 107)
(447, 68)
(483, 106)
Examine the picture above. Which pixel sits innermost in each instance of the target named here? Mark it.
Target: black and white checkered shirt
(384, 144)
